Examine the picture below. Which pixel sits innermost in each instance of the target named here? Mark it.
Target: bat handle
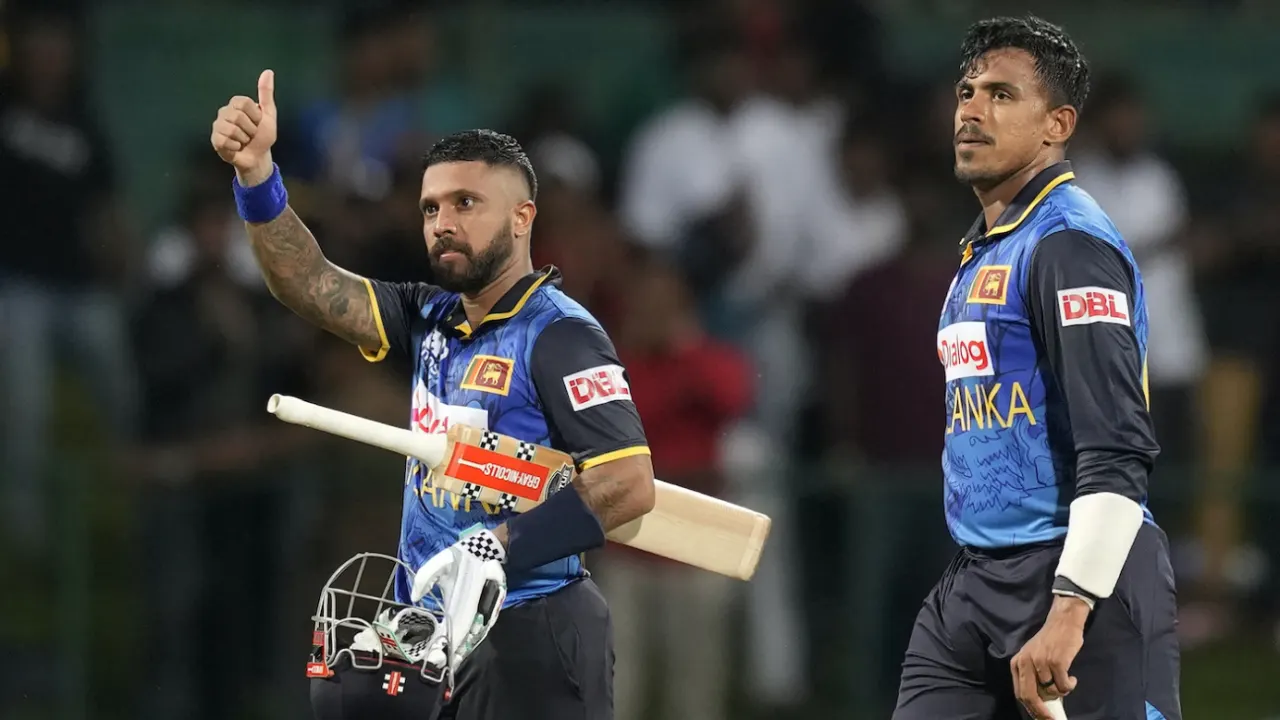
(1055, 709)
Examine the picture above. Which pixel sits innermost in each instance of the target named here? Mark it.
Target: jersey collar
(1023, 203)
(508, 306)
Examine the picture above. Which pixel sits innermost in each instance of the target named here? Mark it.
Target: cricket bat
(684, 525)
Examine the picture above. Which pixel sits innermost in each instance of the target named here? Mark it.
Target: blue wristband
(263, 202)
(558, 528)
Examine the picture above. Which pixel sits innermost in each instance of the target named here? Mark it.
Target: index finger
(248, 106)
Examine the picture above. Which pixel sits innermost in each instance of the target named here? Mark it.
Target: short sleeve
(585, 394)
(396, 306)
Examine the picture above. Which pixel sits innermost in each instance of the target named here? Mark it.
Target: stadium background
(812, 222)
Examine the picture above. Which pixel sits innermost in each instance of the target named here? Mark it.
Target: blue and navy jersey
(1043, 339)
(538, 368)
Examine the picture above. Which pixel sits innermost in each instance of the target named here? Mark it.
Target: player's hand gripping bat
(490, 468)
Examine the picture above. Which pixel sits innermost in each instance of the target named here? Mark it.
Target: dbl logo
(1088, 305)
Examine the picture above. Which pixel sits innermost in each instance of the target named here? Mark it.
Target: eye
(964, 93)
(430, 209)
(466, 202)
(1002, 95)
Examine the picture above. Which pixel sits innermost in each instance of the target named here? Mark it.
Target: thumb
(431, 573)
(267, 91)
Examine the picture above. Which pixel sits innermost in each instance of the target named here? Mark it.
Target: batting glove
(473, 586)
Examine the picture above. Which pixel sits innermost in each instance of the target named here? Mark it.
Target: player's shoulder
(1070, 211)
(551, 305)
(434, 303)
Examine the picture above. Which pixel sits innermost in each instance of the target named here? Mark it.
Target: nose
(973, 110)
(444, 223)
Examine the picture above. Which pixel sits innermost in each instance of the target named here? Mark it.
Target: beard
(479, 271)
(980, 178)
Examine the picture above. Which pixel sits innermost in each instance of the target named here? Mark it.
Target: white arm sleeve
(1100, 533)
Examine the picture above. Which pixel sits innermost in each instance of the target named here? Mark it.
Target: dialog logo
(963, 350)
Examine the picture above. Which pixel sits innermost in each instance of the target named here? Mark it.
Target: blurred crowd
(769, 252)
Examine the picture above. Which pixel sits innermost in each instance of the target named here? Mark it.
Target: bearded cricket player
(494, 345)
(1062, 590)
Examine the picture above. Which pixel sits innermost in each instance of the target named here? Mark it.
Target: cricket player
(1063, 586)
(495, 345)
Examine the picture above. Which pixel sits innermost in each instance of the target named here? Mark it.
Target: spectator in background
(388, 243)
(576, 232)
(211, 346)
(877, 377)
(62, 261)
(1144, 197)
(681, 169)
(384, 107)
(1240, 280)
(786, 139)
(689, 389)
(1261, 209)
(865, 222)
(549, 126)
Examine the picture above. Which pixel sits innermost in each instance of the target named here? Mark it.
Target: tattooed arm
(295, 269)
(299, 275)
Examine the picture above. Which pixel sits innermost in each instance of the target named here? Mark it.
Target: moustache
(971, 134)
(449, 244)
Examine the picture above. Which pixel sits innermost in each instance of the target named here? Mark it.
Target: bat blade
(684, 525)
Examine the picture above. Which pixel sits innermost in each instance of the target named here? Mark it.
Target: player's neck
(997, 198)
(478, 305)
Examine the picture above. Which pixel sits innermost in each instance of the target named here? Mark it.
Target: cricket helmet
(359, 621)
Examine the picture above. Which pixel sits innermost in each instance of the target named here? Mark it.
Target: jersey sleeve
(585, 394)
(396, 306)
(1080, 293)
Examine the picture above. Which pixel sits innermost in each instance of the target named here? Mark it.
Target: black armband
(1064, 586)
(558, 528)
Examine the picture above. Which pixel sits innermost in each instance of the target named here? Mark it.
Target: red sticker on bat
(500, 472)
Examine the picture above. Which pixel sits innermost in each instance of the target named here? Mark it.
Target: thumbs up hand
(245, 130)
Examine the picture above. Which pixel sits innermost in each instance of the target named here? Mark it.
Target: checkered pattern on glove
(484, 545)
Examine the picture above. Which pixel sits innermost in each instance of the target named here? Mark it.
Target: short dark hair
(1062, 70)
(487, 146)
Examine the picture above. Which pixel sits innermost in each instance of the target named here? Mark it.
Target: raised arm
(296, 271)
(299, 275)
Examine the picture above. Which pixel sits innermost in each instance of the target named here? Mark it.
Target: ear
(1061, 125)
(522, 221)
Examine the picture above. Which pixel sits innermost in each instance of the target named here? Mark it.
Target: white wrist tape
(1100, 532)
